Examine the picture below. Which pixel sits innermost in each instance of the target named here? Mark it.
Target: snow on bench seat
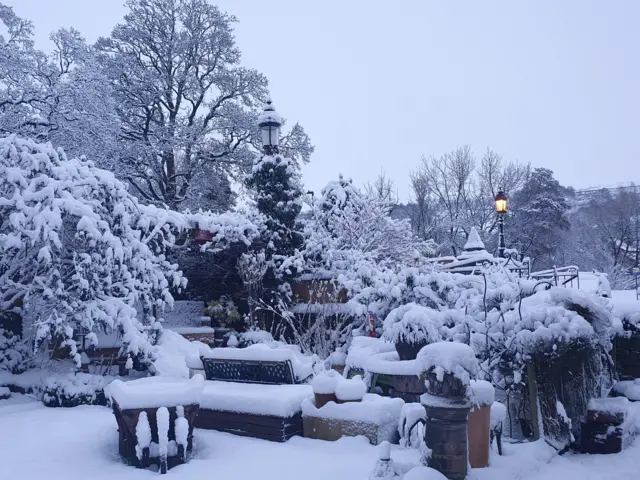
(155, 392)
(257, 399)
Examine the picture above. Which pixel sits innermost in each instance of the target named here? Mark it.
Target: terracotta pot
(338, 368)
(347, 401)
(321, 399)
(409, 351)
(478, 435)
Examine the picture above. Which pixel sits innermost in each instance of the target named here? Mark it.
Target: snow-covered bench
(155, 417)
(255, 391)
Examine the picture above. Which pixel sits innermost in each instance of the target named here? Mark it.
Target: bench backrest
(266, 372)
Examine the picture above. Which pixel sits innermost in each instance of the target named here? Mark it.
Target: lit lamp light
(501, 209)
(501, 202)
(270, 122)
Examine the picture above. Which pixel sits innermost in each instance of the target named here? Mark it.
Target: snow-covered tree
(187, 107)
(539, 218)
(63, 97)
(345, 219)
(76, 245)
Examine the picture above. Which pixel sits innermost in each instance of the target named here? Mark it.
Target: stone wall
(627, 357)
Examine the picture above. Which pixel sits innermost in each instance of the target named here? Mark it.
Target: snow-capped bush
(412, 323)
(452, 358)
(14, 353)
(73, 390)
(71, 237)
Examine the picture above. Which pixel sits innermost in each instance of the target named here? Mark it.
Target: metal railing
(559, 276)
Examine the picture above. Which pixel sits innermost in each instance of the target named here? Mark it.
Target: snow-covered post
(162, 418)
(449, 367)
(384, 469)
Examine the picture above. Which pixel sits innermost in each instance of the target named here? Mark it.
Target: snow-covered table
(155, 416)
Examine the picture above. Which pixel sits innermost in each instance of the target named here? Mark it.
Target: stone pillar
(446, 431)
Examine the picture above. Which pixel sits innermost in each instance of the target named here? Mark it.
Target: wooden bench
(253, 398)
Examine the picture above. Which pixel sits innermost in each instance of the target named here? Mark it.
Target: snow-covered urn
(449, 367)
(411, 327)
(384, 469)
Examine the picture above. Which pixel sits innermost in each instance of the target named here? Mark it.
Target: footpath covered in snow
(42, 438)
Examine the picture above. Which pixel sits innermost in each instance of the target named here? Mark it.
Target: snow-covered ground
(82, 442)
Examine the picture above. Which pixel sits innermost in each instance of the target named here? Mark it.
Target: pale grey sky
(378, 83)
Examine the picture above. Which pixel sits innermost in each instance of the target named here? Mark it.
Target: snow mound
(614, 405)
(350, 389)
(458, 359)
(276, 400)
(389, 363)
(325, 382)
(423, 473)
(482, 393)
(372, 409)
(629, 389)
(155, 392)
(4, 393)
(362, 348)
(498, 414)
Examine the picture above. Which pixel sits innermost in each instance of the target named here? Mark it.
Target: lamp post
(270, 122)
(501, 210)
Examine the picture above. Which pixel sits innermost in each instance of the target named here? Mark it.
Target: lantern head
(270, 122)
(501, 203)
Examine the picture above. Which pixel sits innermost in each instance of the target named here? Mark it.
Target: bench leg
(122, 370)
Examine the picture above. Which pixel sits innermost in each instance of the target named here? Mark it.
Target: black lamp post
(501, 210)
(270, 122)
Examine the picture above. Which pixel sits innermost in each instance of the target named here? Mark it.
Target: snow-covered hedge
(74, 390)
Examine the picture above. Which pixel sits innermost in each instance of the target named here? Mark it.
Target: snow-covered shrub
(413, 324)
(14, 353)
(73, 238)
(74, 390)
(452, 358)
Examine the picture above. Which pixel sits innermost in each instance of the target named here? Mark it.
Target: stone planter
(321, 399)
(409, 351)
